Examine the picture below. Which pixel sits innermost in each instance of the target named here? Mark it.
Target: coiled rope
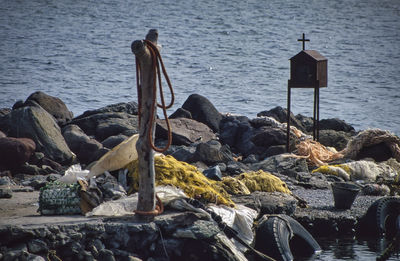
(156, 61)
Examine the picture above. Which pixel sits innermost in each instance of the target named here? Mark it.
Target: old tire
(381, 216)
(282, 238)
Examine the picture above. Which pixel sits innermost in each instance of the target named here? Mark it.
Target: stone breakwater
(40, 139)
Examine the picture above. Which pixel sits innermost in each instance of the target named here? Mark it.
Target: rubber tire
(381, 216)
(273, 238)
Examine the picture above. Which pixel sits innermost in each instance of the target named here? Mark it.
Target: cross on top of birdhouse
(304, 40)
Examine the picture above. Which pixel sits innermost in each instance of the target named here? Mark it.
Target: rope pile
(316, 153)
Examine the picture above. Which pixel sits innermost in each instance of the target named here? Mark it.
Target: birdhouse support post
(146, 200)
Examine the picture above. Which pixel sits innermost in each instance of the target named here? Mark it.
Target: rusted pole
(146, 201)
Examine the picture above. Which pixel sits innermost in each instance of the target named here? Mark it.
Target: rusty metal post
(146, 200)
(288, 119)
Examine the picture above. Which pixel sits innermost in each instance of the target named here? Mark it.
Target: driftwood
(146, 200)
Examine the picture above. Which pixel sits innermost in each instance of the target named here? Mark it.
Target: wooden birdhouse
(308, 69)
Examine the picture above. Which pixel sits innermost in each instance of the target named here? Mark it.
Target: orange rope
(156, 61)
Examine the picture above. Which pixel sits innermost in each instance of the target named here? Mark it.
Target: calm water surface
(233, 52)
(236, 53)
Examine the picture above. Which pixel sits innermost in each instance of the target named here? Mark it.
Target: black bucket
(344, 194)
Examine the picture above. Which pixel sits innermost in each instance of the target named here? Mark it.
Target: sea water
(236, 53)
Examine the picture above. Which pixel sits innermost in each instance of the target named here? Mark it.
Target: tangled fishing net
(372, 137)
(170, 171)
(316, 153)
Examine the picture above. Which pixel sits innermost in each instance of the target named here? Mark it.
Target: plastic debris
(127, 205)
(117, 158)
(73, 174)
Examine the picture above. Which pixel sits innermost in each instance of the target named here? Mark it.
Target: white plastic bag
(73, 174)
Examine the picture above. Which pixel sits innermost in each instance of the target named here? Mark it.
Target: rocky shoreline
(40, 139)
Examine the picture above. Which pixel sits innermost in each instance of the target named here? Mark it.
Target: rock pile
(40, 139)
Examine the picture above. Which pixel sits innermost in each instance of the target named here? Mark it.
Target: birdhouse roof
(311, 53)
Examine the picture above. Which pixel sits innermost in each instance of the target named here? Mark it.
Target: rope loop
(156, 62)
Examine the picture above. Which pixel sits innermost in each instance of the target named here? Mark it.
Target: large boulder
(336, 139)
(82, 145)
(203, 110)
(280, 114)
(53, 105)
(237, 131)
(36, 123)
(74, 136)
(184, 131)
(213, 152)
(105, 124)
(266, 137)
(15, 151)
(336, 125)
(125, 107)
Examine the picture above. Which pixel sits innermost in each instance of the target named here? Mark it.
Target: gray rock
(213, 173)
(125, 107)
(37, 246)
(184, 153)
(181, 113)
(335, 124)
(74, 137)
(267, 136)
(184, 131)
(5, 193)
(36, 123)
(88, 150)
(283, 164)
(6, 181)
(2, 135)
(236, 131)
(105, 124)
(113, 141)
(12, 255)
(268, 202)
(305, 121)
(280, 114)
(213, 152)
(251, 159)
(235, 168)
(273, 150)
(36, 170)
(336, 139)
(312, 181)
(36, 181)
(106, 255)
(53, 105)
(200, 229)
(203, 110)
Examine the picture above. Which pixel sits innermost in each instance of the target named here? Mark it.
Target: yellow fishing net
(234, 186)
(263, 181)
(170, 171)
